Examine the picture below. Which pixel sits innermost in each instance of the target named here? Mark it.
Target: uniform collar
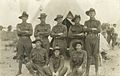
(92, 19)
(42, 23)
(59, 24)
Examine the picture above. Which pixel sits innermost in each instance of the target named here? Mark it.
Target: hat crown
(59, 16)
(92, 9)
(43, 15)
(24, 13)
(77, 16)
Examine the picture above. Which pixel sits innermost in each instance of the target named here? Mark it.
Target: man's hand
(94, 29)
(55, 74)
(80, 34)
(60, 33)
(80, 69)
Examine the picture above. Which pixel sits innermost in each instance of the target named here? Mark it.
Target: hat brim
(57, 18)
(42, 17)
(87, 12)
(20, 17)
(36, 41)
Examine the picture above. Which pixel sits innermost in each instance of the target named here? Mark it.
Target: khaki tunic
(92, 43)
(59, 40)
(92, 38)
(43, 31)
(76, 29)
(24, 44)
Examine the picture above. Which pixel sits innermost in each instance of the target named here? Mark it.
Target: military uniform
(109, 34)
(24, 44)
(59, 40)
(92, 41)
(38, 63)
(74, 30)
(57, 65)
(43, 31)
(78, 59)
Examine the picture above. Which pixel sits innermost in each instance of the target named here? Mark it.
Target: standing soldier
(114, 36)
(76, 31)
(24, 45)
(9, 28)
(59, 33)
(42, 31)
(1, 32)
(68, 22)
(1, 27)
(109, 34)
(92, 39)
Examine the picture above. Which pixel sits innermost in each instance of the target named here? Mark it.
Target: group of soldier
(71, 41)
(110, 34)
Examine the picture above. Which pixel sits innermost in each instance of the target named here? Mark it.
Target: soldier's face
(78, 46)
(38, 43)
(92, 14)
(57, 52)
(77, 20)
(59, 20)
(43, 19)
(24, 18)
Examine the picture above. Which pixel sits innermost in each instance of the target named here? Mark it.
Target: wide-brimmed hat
(90, 10)
(24, 14)
(76, 42)
(10, 26)
(58, 17)
(42, 15)
(76, 16)
(1, 27)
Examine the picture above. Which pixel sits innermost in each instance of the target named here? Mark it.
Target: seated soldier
(78, 60)
(37, 65)
(57, 63)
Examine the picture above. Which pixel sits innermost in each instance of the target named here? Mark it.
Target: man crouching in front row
(37, 65)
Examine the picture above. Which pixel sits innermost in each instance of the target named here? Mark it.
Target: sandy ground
(8, 66)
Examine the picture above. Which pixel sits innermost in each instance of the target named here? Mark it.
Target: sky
(107, 10)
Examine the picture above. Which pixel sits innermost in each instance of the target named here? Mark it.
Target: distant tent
(56, 7)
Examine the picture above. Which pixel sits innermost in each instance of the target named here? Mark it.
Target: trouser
(38, 69)
(63, 71)
(92, 60)
(24, 47)
(114, 38)
(92, 48)
(109, 37)
(77, 72)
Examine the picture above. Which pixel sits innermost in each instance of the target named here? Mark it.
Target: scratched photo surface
(107, 12)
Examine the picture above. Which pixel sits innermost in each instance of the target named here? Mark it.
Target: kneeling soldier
(37, 64)
(78, 60)
(57, 63)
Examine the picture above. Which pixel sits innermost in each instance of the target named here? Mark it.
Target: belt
(24, 36)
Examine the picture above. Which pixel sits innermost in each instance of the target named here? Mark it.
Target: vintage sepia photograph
(59, 37)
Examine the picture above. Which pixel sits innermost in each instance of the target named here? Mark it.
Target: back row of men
(62, 36)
